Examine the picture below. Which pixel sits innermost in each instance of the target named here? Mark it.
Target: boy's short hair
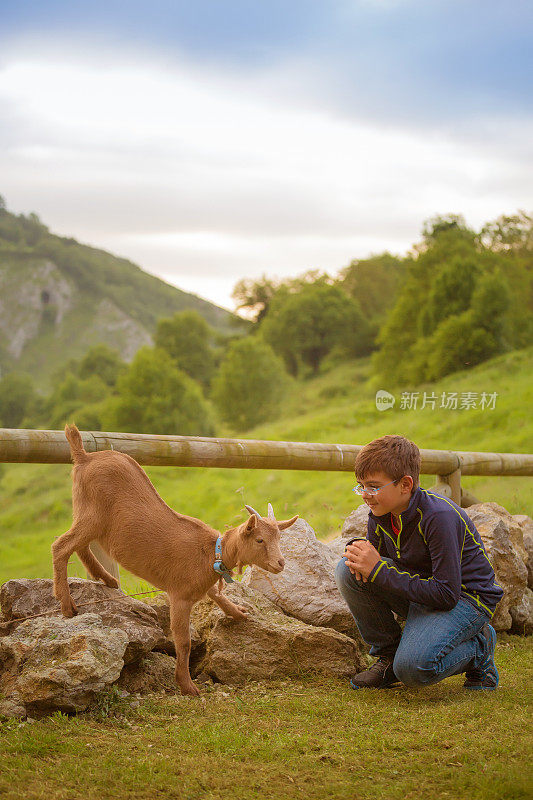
(394, 455)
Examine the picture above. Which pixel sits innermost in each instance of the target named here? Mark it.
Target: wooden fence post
(468, 499)
(441, 488)
(453, 480)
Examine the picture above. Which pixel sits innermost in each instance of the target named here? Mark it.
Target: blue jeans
(434, 644)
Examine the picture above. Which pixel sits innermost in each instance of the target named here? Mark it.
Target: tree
(374, 284)
(509, 233)
(510, 241)
(102, 361)
(156, 397)
(249, 384)
(490, 302)
(457, 344)
(16, 396)
(304, 327)
(71, 397)
(439, 282)
(400, 330)
(186, 338)
(451, 291)
(462, 340)
(255, 296)
(450, 227)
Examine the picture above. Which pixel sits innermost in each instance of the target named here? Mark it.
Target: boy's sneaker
(486, 675)
(379, 676)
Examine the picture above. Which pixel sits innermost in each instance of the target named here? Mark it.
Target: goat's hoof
(190, 689)
(241, 613)
(69, 610)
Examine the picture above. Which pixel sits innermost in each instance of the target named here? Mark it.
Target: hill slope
(59, 297)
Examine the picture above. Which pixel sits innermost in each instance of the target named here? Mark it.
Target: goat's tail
(76, 443)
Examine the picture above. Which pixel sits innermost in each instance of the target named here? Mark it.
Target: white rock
(269, 644)
(306, 587)
(503, 540)
(356, 523)
(52, 663)
(20, 598)
(526, 524)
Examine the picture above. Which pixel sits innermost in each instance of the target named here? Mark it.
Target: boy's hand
(361, 557)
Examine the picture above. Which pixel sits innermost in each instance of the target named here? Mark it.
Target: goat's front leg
(180, 614)
(229, 608)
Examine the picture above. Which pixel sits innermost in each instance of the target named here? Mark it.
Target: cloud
(408, 60)
(204, 176)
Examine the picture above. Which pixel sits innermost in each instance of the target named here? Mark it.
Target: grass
(313, 739)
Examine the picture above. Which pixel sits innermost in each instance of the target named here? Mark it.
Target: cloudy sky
(219, 139)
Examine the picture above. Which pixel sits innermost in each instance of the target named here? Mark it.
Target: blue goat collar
(219, 566)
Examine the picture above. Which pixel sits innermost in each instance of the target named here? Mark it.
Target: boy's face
(393, 497)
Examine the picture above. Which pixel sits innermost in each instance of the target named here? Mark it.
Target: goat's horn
(271, 512)
(252, 511)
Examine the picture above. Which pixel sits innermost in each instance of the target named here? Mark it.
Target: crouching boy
(423, 560)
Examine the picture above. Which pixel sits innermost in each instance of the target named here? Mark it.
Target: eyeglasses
(371, 490)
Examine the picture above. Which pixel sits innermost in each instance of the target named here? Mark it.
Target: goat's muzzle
(277, 567)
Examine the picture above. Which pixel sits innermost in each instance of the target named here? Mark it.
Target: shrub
(250, 383)
(156, 397)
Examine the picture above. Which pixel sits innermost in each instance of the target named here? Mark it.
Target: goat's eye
(259, 541)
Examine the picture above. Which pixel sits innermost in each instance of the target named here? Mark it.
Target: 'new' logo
(384, 400)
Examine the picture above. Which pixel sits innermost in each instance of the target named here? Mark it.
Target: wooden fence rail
(51, 447)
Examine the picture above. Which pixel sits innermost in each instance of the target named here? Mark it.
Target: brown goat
(115, 503)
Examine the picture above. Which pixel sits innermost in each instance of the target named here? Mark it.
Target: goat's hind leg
(94, 568)
(63, 547)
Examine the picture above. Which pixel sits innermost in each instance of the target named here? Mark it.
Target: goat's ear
(250, 524)
(286, 523)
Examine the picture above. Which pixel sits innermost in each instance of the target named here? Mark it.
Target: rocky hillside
(59, 297)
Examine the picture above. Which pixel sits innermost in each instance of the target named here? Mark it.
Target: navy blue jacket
(437, 557)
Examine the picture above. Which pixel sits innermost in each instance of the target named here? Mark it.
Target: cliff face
(31, 294)
(58, 298)
(45, 319)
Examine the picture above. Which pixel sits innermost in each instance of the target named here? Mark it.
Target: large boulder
(503, 540)
(526, 525)
(356, 523)
(151, 673)
(306, 587)
(514, 529)
(268, 644)
(52, 663)
(336, 547)
(25, 598)
(355, 526)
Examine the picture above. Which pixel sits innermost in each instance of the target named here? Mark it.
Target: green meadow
(337, 406)
(309, 738)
